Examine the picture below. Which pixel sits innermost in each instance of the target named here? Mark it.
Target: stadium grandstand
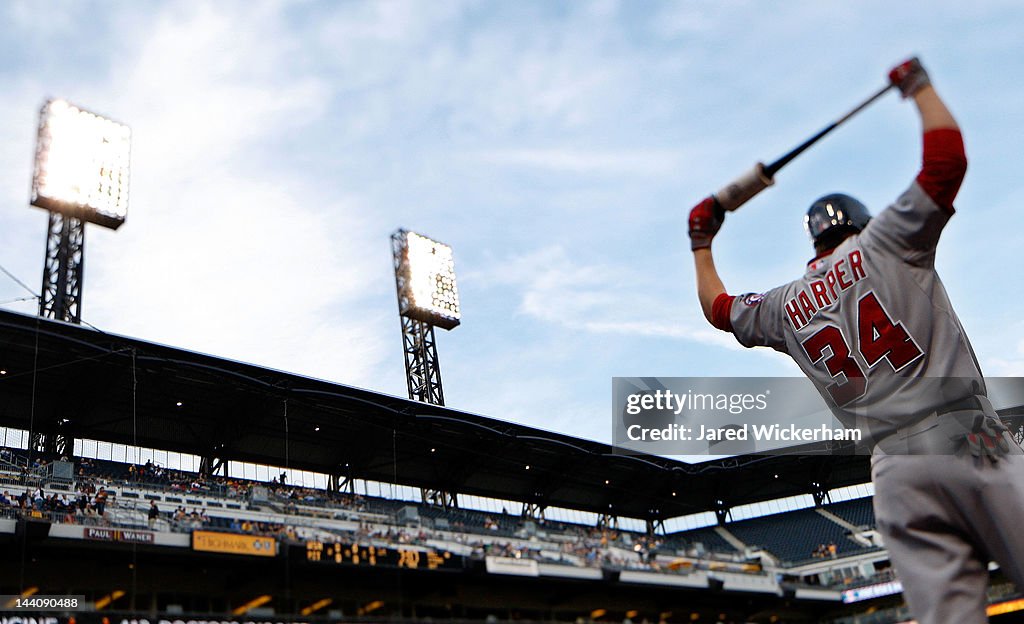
(161, 484)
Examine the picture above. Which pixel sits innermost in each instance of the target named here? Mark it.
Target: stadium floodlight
(425, 273)
(427, 297)
(81, 165)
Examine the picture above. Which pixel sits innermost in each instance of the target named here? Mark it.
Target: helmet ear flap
(833, 217)
(831, 238)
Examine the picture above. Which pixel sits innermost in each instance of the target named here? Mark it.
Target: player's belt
(972, 402)
(932, 432)
(926, 419)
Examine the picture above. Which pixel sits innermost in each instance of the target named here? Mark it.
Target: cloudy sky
(557, 146)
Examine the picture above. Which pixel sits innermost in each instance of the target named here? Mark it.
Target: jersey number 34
(878, 338)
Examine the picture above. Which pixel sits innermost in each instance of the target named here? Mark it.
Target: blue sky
(557, 146)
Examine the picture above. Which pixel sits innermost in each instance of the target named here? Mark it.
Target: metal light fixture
(425, 272)
(428, 296)
(81, 165)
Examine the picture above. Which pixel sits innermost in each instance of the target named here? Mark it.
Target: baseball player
(871, 325)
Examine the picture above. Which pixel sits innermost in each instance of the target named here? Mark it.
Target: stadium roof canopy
(97, 381)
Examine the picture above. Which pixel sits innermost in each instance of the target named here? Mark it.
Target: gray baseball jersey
(871, 324)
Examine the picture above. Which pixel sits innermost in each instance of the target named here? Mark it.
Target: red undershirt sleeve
(721, 311)
(943, 166)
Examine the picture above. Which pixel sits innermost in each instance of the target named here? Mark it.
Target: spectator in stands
(69, 514)
(154, 514)
(89, 515)
(38, 499)
(100, 502)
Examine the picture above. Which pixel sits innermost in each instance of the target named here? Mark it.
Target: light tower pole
(427, 297)
(80, 175)
(63, 269)
(422, 368)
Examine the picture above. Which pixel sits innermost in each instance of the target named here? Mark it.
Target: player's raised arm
(944, 162)
(705, 221)
(913, 81)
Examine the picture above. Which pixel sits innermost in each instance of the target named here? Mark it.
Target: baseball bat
(745, 187)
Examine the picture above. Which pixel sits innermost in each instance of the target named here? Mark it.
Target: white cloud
(203, 87)
(229, 248)
(605, 299)
(684, 19)
(635, 162)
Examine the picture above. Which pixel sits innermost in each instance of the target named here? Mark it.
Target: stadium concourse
(584, 534)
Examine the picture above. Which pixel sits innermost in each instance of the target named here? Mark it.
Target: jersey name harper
(822, 293)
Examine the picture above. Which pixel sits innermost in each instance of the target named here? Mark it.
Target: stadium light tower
(80, 175)
(427, 297)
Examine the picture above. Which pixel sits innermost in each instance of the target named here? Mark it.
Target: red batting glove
(909, 77)
(986, 439)
(705, 221)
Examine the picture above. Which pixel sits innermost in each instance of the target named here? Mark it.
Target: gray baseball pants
(943, 518)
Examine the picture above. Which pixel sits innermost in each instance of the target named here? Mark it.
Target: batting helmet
(833, 217)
